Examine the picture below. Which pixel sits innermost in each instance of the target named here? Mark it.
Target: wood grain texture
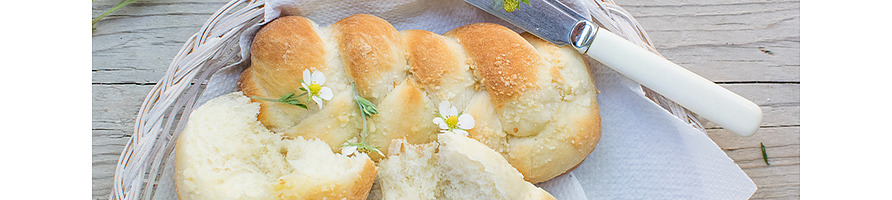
(752, 48)
(132, 49)
(748, 46)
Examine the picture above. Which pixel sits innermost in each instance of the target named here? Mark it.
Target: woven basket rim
(159, 120)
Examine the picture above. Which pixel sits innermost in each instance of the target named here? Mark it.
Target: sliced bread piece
(456, 167)
(225, 153)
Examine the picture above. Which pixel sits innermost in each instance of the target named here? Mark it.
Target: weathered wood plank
(114, 112)
(107, 147)
(115, 106)
(780, 179)
(677, 23)
(779, 103)
(725, 40)
(137, 43)
(740, 62)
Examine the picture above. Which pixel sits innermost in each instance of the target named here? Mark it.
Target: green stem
(764, 154)
(265, 99)
(113, 9)
(366, 109)
(363, 133)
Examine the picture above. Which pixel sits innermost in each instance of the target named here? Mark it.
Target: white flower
(313, 84)
(450, 120)
(349, 150)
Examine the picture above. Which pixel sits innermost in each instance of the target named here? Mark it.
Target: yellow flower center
(452, 122)
(314, 88)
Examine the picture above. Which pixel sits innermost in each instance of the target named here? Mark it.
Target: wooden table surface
(748, 46)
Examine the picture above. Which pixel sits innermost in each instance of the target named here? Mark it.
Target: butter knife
(555, 22)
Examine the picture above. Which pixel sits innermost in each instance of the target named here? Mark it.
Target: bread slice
(225, 153)
(456, 167)
(471, 170)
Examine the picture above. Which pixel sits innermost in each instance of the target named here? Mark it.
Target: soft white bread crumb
(321, 174)
(458, 168)
(471, 170)
(225, 153)
(410, 172)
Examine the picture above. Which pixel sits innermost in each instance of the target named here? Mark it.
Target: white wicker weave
(215, 46)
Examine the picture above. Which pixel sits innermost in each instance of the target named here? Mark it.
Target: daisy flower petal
(444, 108)
(379, 153)
(442, 124)
(318, 78)
(318, 101)
(460, 132)
(348, 150)
(452, 111)
(307, 77)
(465, 121)
(326, 93)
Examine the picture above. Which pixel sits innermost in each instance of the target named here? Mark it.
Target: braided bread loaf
(533, 102)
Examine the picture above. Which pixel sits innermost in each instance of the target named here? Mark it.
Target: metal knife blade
(549, 20)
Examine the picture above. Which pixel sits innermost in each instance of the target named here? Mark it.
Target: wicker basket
(160, 119)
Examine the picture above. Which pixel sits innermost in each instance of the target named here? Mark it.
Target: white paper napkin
(644, 152)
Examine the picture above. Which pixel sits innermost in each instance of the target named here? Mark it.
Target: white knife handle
(695, 93)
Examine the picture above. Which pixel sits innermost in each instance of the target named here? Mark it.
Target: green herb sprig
(764, 155)
(512, 5)
(286, 99)
(366, 109)
(113, 9)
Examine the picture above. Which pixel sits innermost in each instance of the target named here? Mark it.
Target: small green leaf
(525, 1)
(286, 99)
(301, 105)
(367, 107)
(764, 155)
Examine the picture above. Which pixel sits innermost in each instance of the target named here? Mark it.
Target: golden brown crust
(357, 189)
(570, 143)
(438, 64)
(364, 184)
(288, 41)
(371, 49)
(429, 57)
(280, 52)
(504, 60)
